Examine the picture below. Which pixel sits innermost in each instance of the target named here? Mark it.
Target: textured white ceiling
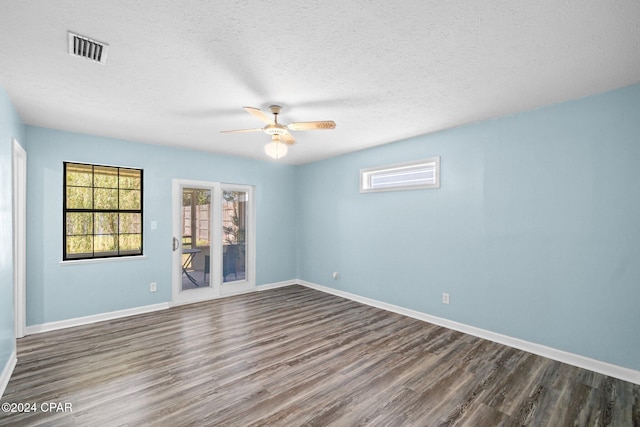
(178, 72)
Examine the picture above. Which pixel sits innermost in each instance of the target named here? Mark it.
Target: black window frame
(65, 210)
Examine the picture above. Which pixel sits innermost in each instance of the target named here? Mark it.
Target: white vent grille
(87, 48)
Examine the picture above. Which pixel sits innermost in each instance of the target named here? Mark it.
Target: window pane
(234, 223)
(130, 223)
(196, 241)
(105, 198)
(203, 207)
(130, 199)
(79, 198)
(79, 223)
(403, 178)
(105, 177)
(78, 246)
(79, 175)
(106, 223)
(234, 207)
(130, 179)
(106, 244)
(130, 243)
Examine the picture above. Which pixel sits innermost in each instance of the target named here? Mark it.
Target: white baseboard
(61, 324)
(276, 285)
(7, 371)
(605, 368)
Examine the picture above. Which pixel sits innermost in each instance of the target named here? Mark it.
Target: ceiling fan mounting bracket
(275, 109)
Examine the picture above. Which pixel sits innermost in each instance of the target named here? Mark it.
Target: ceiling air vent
(86, 48)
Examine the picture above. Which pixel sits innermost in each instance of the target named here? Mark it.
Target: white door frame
(217, 288)
(178, 296)
(19, 163)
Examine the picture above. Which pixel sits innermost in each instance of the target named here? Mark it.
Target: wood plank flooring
(298, 357)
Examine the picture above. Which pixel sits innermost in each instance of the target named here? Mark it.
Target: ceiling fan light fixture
(276, 149)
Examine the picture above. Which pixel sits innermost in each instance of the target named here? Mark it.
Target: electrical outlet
(153, 287)
(445, 298)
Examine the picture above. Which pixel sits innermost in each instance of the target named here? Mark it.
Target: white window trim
(367, 173)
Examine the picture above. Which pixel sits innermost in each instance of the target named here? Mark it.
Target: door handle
(176, 244)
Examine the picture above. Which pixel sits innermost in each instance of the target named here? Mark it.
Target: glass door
(213, 240)
(234, 230)
(237, 238)
(195, 212)
(196, 238)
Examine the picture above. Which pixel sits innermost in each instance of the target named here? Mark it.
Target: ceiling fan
(280, 135)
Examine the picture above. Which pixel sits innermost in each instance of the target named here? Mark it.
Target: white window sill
(101, 260)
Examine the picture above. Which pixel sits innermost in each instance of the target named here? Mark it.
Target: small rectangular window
(102, 211)
(403, 176)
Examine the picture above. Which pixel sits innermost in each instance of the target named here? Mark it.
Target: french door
(213, 240)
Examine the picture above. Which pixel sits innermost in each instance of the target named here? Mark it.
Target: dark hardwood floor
(295, 356)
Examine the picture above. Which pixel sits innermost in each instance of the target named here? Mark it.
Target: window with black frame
(102, 211)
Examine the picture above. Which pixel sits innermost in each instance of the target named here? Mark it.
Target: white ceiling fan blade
(287, 138)
(241, 130)
(326, 124)
(259, 114)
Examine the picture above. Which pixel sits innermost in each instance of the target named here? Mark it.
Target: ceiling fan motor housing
(275, 129)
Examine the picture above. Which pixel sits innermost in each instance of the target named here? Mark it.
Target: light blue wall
(11, 127)
(535, 232)
(58, 292)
